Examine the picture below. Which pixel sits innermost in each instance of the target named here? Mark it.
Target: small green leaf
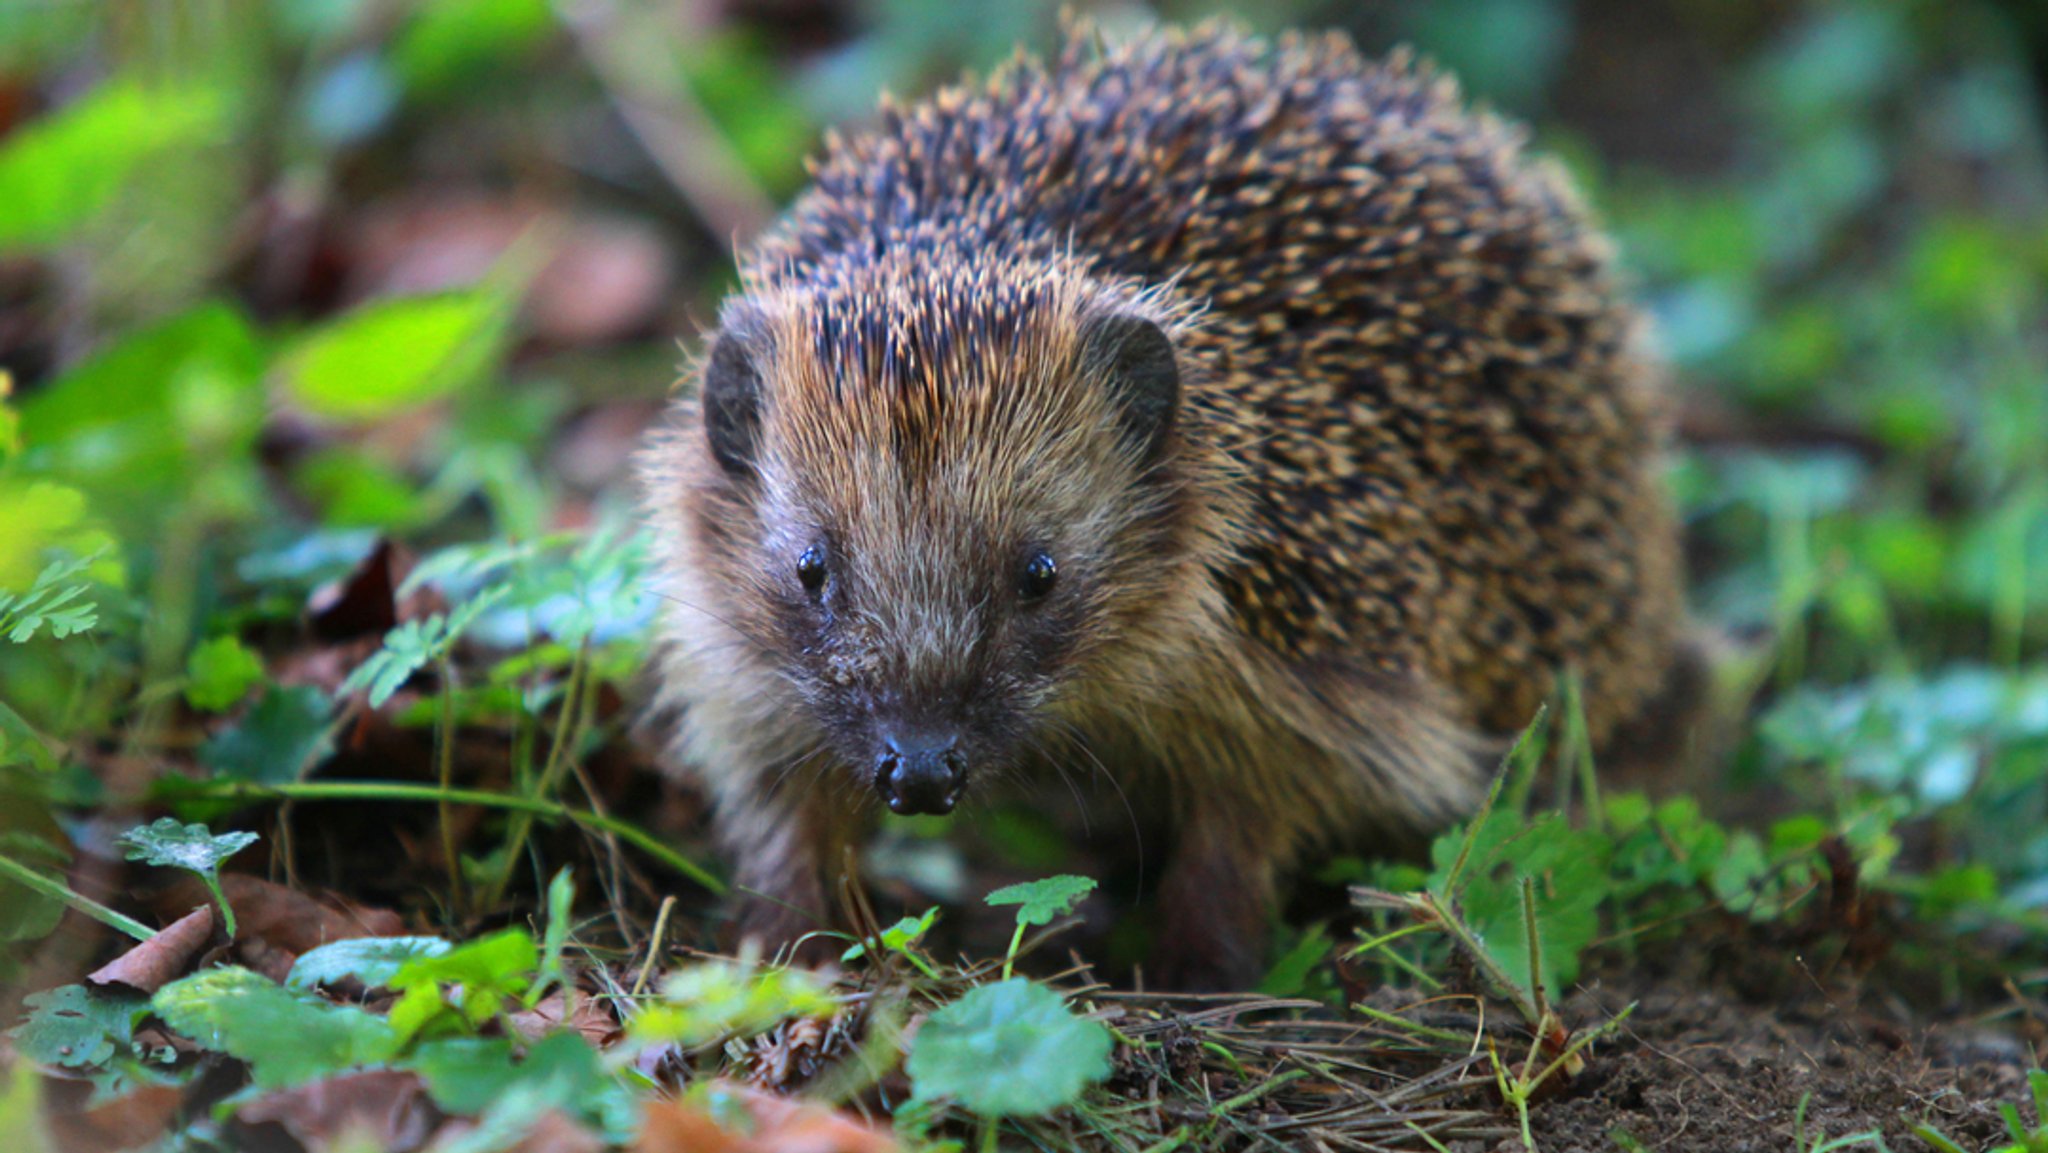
(899, 936)
(370, 960)
(1040, 901)
(722, 998)
(411, 647)
(286, 1037)
(282, 736)
(1569, 869)
(168, 844)
(1012, 1049)
(1290, 975)
(393, 355)
(220, 673)
(464, 987)
(59, 172)
(55, 601)
(75, 1027)
(466, 1074)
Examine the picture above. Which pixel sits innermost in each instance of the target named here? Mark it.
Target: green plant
(170, 844)
(2025, 1138)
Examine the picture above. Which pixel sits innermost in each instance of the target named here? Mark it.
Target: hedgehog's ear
(732, 400)
(1136, 360)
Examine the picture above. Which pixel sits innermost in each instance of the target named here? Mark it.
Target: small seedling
(1822, 1143)
(168, 844)
(2024, 1139)
(1038, 902)
(902, 938)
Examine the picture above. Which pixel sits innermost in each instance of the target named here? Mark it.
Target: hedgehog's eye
(1038, 577)
(810, 568)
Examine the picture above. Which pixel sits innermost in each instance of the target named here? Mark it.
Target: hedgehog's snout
(921, 772)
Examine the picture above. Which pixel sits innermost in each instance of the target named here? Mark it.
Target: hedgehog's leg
(1217, 899)
(780, 850)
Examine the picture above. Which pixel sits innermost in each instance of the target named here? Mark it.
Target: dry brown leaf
(174, 951)
(382, 1109)
(130, 1121)
(590, 1018)
(781, 1125)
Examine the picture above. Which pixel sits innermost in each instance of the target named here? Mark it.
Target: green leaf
(411, 647)
(168, 844)
(370, 960)
(723, 998)
(560, 1072)
(154, 418)
(555, 940)
(1290, 975)
(899, 936)
(60, 172)
(286, 1037)
(1012, 1049)
(393, 355)
(1569, 868)
(1040, 901)
(76, 1027)
(450, 42)
(219, 673)
(282, 736)
(465, 1074)
(480, 977)
(56, 601)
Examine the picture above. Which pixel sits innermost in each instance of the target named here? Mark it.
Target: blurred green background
(278, 278)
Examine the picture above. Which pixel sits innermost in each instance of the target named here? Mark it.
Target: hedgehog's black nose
(921, 773)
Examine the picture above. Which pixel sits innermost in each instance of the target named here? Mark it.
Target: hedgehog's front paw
(1215, 904)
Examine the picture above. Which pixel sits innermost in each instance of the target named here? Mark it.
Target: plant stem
(227, 914)
(392, 791)
(569, 728)
(29, 879)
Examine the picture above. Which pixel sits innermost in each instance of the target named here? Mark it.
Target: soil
(1700, 1067)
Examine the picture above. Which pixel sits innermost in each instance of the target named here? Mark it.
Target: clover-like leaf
(1012, 1049)
(169, 844)
(1038, 902)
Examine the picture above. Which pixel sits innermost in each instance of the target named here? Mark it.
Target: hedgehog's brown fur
(1411, 475)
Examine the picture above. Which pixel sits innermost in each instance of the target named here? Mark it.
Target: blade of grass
(430, 794)
(29, 879)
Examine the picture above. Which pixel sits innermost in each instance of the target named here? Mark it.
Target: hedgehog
(1246, 421)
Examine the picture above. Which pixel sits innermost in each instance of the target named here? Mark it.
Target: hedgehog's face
(943, 534)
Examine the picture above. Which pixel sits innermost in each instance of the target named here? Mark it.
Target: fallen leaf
(780, 1125)
(174, 951)
(364, 603)
(131, 1121)
(590, 1018)
(381, 1109)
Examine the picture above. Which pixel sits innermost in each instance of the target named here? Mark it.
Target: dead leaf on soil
(130, 1121)
(781, 1125)
(174, 951)
(589, 1018)
(383, 1109)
